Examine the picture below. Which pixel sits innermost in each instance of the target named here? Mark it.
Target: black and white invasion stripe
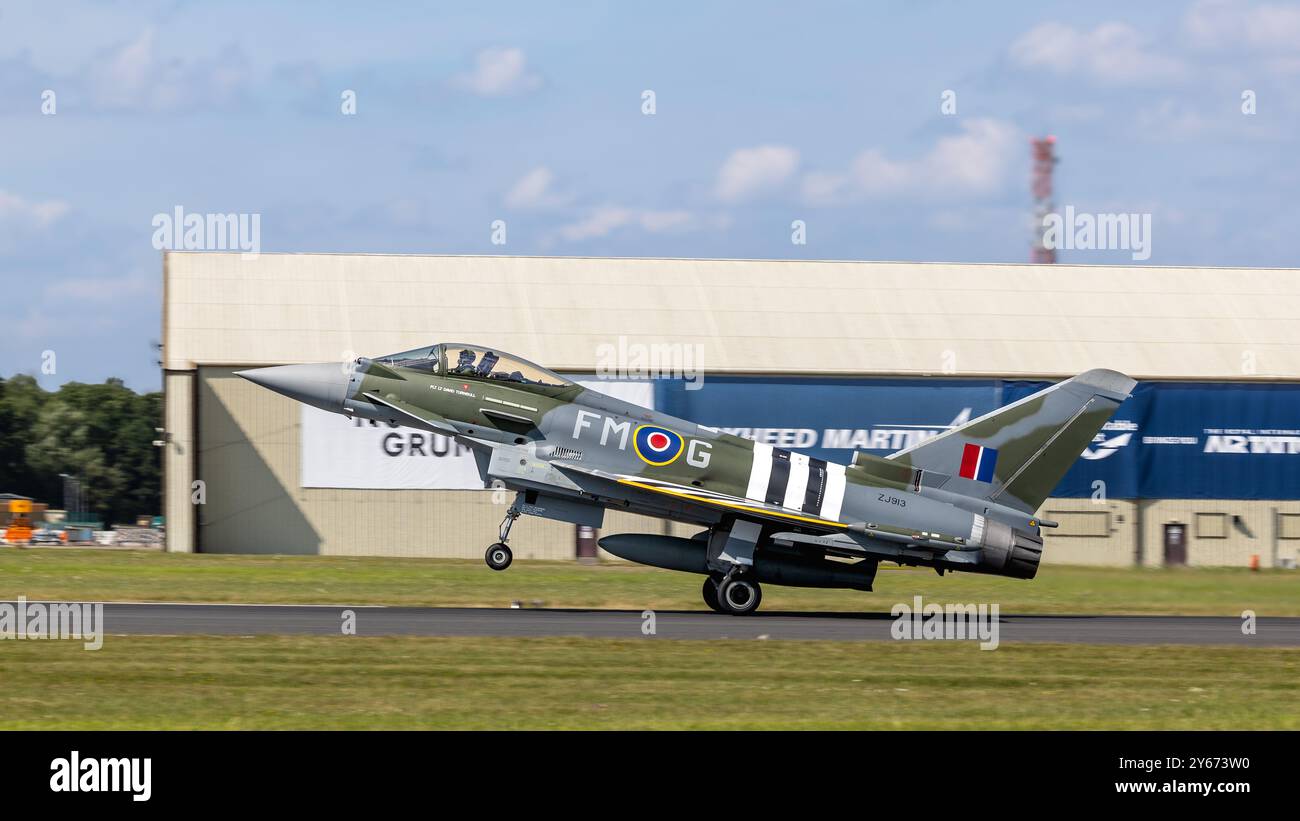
(796, 481)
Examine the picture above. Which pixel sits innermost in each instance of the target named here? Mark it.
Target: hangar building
(1204, 469)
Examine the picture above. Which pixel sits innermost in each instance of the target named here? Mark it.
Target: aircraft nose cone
(322, 385)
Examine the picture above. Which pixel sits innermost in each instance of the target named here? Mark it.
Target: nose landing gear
(499, 556)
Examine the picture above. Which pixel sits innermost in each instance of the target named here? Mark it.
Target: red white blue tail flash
(977, 462)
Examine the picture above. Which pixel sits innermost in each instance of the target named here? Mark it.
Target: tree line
(101, 434)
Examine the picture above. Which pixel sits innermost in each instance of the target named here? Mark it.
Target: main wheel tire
(498, 557)
(711, 595)
(740, 597)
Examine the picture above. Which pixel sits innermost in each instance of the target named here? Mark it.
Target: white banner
(338, 452)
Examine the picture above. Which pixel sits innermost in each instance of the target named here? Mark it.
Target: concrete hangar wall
(224, 311)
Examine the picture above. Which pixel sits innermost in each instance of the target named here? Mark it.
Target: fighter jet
(964, 500)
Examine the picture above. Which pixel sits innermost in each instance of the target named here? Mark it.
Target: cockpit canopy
(419, 359)
(474, 362)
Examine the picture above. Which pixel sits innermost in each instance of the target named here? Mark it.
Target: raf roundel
(655, 445)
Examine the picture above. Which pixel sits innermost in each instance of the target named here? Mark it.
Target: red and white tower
(1044, 154)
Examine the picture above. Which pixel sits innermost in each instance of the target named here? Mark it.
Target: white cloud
(128, 69)
(822, 187)
(606, 219)
(535, 190)
(599, 223)
(1217, 24)
(658, 222)
(749, 172)
(497, 72)
(976, 161)
(30, 214)
(875, 173)
(134, 77)
(1167, 121)
(1111, 53)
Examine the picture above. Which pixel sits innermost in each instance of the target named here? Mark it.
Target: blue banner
(1220, 441)
(827, 417)
(1170, 440)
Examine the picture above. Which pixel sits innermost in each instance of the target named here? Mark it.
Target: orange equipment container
(20, 526)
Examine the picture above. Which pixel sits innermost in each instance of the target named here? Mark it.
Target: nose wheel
(498, 556)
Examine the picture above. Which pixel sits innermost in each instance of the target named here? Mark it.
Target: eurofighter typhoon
(965, 499)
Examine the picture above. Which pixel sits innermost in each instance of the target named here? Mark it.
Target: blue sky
(532, 113)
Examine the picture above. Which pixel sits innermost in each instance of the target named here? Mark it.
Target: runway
(257, 619)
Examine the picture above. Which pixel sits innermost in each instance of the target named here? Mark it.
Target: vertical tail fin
(1017, 454)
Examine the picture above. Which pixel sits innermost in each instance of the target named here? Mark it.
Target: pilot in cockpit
(464, 362)
(494, 366)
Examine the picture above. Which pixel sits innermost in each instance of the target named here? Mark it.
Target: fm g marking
(655, 445)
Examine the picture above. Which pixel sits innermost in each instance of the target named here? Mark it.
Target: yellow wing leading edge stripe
(734, 505)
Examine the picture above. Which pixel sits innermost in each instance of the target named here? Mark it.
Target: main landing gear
(730, 588)
(731, 594)
(498, 556)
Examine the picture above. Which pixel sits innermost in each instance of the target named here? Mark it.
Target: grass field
(349, 682)
(425, 683)
(94, 575)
